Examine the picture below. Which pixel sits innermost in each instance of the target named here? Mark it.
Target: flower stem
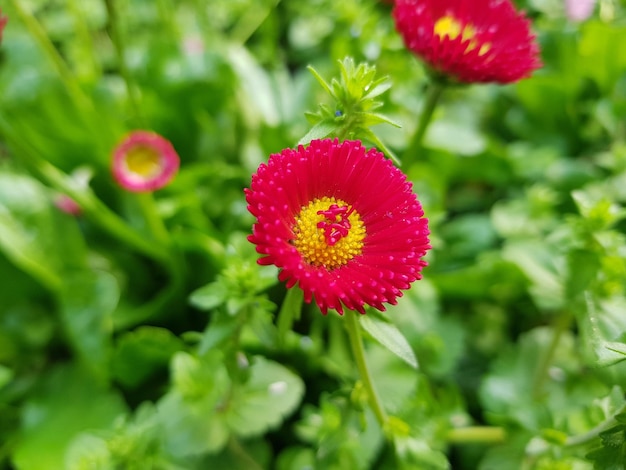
(153, 218)
(581, 439)
(433, 93)
(68, 79)
(118, 44)
(476, 435)
(289, 312)
(356, 343)
(541, 373)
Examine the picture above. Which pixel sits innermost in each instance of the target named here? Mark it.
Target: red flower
(469, 40)
(144, 161)
(341, 221)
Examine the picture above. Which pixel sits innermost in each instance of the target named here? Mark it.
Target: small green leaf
(209, 296)
(389, 336)
(6, 375)
(319, 131)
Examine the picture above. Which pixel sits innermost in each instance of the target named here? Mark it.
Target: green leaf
(140, 353)
(209, 296)
(67, 402)
(88, 452)
(6, 375)
(583, 267)
(267, 398)
(612, 454)
(389, 336)
(189, 414)
(319, 131)
(87, 300)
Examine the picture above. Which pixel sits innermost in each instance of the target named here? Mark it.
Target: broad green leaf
(87, 301)
(269, 396)
(140, 353)
(67, 402)
(389, 336)
(190, 414)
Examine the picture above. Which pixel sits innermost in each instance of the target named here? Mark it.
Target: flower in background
(469, 41)
(579, 10)
(68, 205)
(340, 221)
(144, 161)
(3, 22)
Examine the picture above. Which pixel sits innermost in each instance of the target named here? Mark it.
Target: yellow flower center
(143, 161)
(451, 27)
(328, 232)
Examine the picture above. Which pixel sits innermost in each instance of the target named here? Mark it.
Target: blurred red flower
(469, 41)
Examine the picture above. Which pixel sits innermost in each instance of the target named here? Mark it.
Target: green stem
(168, 18)
(356, 343)
(68, 79)
(433, 93)
(289, 312)
(476, 435)
(118, 44)
(153, 219)
(581, 439)
(541, 373)
(251, 21)
(84, 36)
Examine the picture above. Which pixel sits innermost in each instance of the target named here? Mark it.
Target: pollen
(143, 161)
(451, 27)
(328, 232)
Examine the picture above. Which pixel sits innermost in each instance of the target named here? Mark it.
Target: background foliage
(122, 347)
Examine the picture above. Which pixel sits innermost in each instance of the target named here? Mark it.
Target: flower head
(144, 161)
(340, 221)
(469, 40)
(68, 205)
(3, 22)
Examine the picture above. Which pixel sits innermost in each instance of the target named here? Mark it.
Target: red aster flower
(144, 161)
(469, 40)
(340, 221)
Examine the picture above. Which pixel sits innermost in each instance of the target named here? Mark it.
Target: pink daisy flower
(469, 41)
(144, 161)
(340, 221)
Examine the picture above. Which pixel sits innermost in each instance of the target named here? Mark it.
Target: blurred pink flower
(579, 10)
(144, 161)
(3, 22)
(66, 204)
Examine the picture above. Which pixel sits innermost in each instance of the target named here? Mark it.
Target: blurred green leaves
(117, 351)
